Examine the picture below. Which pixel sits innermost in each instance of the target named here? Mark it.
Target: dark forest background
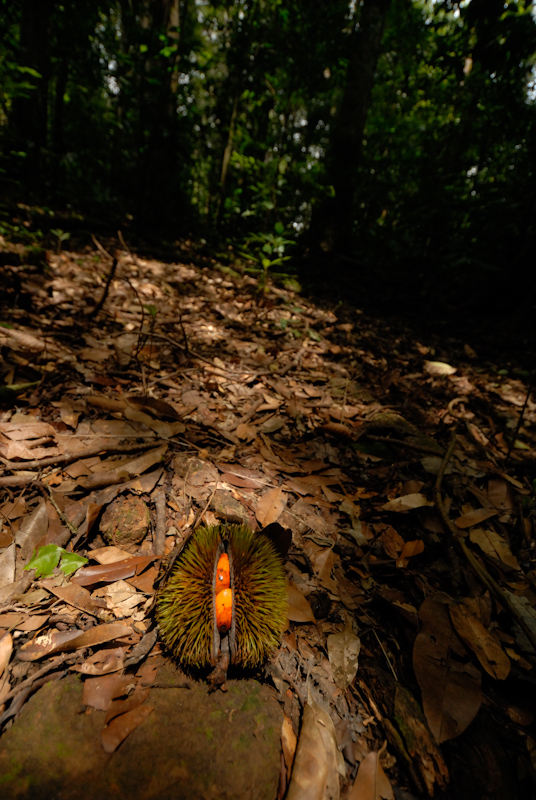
(384, 149)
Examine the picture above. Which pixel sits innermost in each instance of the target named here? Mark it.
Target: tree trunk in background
(59, 105)
(160, 201)
(29, 117)
(332, 221)
(227, 159)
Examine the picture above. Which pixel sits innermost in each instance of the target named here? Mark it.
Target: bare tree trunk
(227, 159)
(59, 105)
(332, 223)
(29, 117)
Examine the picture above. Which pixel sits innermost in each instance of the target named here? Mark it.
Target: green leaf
(10, 392)
(29, 71)
(70, 562)
(49, 557)
(143, 48)
(279, 228)
(45, 561)
(292, 284)
(151, 310)
(314, 335)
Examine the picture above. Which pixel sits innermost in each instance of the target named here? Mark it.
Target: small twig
(141, 339)
(520, 420)
(490, 583)
(166, 685)
(252, 411)
(96, 310)
(391, 667)
(46, 489)
(160, 527)
(99, 246)
(17, 480)
(43, 671)
(344, 398)
(142, 649)
(200, 513)
(294, 364)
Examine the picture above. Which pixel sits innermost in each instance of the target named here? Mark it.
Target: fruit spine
(214, 605)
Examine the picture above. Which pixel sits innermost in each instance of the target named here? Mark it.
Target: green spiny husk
(260, 596)
(184, 605)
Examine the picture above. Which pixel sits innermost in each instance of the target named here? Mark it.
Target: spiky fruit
(228, 592)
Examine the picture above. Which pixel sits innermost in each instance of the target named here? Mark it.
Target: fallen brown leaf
(450, 686)
(299, 609)
(60, 641)
(119, 728)
(371, 782)
(270, 506)
(99, 692)
(487, 649)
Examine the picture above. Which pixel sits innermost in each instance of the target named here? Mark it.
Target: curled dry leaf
(487, 649)
(159, 408)
(102, 662)
(76, 596)
(109, 573)
(318, 762)
(289, 740)
(450, 686)
(60, 641)
(474, 517)
(109, 555)
(500, 494)
(48, 643)
(407, 503)
(371, 782)
(343, 653)
(392, 542)
(270, 506)
(33, 528)
(22, 439)
(495, 546)
(299, 609)
(410, 549)
(165, 430)
(438, 368)
(99, 692)
(7, 565)
(119, 707)
(323, 561)
(122, 726)
(6, 648)
(33, 622)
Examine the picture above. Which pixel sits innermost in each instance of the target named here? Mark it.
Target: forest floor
(404, 467)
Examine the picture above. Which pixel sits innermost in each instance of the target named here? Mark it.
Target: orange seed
(224, 610)
(223, 573)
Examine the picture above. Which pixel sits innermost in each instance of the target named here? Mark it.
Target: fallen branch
(52, 665)
(488, 581)
(68, 458)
